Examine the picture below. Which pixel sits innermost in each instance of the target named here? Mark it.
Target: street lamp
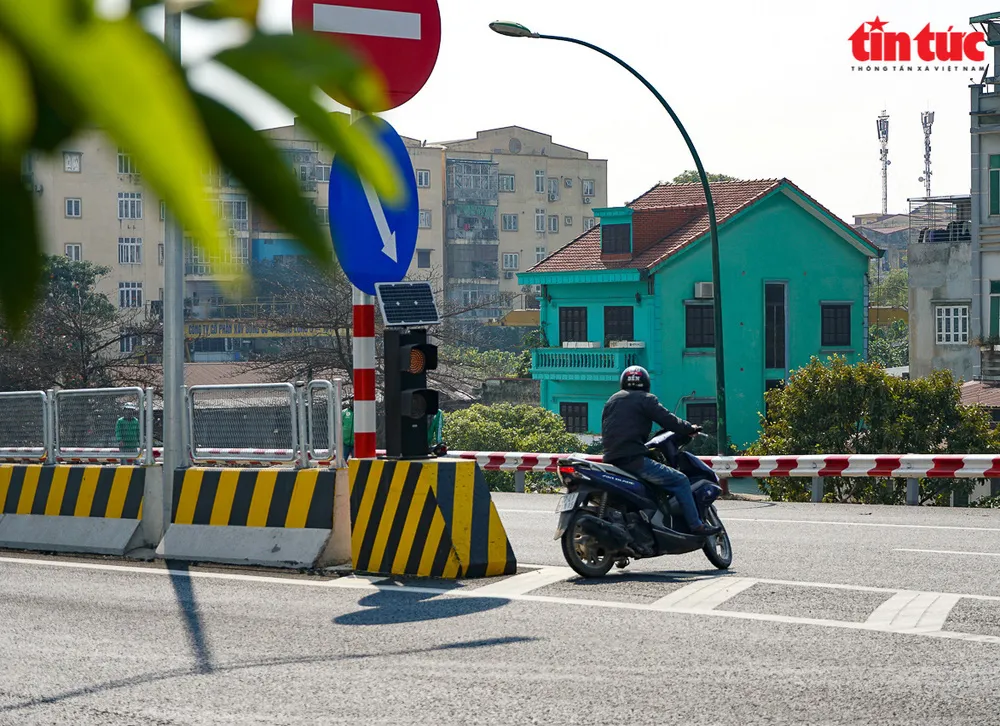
(516, 30)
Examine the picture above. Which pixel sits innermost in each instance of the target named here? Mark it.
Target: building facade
(637, 290)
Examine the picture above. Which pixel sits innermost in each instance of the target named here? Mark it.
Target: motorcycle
(609, 516)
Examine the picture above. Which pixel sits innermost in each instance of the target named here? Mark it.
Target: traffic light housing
(408, 401)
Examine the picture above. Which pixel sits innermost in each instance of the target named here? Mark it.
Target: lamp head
(513, 30)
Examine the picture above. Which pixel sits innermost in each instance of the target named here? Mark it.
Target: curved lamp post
(516, 30)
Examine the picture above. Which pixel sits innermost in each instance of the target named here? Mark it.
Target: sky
(765, 89)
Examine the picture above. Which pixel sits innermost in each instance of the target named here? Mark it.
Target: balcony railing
(583, 364)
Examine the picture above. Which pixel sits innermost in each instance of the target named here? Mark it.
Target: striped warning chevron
(72, 491)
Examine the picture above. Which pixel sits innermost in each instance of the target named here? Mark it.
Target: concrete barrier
(85, 509)
(432, 518)
(282, 518)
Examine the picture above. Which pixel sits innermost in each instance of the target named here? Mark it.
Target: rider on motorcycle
(626, 423)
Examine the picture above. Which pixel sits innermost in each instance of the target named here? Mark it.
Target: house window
(74, 207)
(702, 414)
(616, 239)
(553, 189)
(951, 324)
(130, 250)
(539, 181)
(323, 215)
(589, 223)
(994, 308)
(159, 255)
(774, 325)
(508, 222)
(323, 172)
(74, 252)
(126, 343)
(572, 325)
(836, 330)
(129, 205)
(699, 326)
(511, 260)
(540, 220)
(994, 183)
(539, 254)
(574, 415)
(423, 259)
(618, 323)
(130, 294)
(425, 219)
(125, 163)
(163, 210)
(553, 223)
(506, 182)
(72, 161)
(588, 188)
(424, 178)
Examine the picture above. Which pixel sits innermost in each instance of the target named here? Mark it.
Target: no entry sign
(400, 38)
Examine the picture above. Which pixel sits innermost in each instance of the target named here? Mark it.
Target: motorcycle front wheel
(583, 552)
(718, 549)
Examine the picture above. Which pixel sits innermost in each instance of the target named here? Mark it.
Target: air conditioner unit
(703, 290)
(508, 275)
(634, 344)
(567, 220)
(586, 200)
(569, 183)
(553, 196)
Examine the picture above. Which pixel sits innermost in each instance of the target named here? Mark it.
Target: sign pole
(364, 366)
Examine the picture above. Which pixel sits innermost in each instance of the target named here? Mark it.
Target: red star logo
(877, 24)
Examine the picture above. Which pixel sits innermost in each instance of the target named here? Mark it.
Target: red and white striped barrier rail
(83, 455)
(243, 457)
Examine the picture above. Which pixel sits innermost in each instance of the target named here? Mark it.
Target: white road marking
(366, 21)
(913, 612)
(949, 552)
(526, 582)
(387, 585)
(704, 595)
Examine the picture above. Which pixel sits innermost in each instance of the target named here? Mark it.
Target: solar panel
(404, 304)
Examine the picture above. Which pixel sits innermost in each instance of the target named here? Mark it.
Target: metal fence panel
(253, 422)
(324, 421)
(23, 425)
(100, 423)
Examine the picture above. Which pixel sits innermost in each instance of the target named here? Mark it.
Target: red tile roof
(985, 393)
(666, 204)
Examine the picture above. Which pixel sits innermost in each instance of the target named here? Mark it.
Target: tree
(691, 177)
(891, 290)
(55, 61)
(80, 339)
(889, 346)
(507, 427)
(836, 408)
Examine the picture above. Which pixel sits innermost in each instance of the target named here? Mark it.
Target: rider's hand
(695, 429)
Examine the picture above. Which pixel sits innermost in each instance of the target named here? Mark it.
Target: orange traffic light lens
(417, 361)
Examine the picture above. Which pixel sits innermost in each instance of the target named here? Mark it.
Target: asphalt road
(830, 615)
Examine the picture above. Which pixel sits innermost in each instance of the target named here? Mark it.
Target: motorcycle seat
(604, 467)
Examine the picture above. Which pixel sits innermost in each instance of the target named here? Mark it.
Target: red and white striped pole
(364, 375)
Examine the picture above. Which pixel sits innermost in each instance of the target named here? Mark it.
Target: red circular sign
(400, 38)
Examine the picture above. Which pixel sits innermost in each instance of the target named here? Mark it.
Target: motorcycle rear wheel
(718, 549)
(582, 552)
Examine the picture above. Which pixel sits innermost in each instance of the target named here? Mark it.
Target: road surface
(831, 614)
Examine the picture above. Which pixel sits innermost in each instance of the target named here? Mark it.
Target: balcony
(583, 364)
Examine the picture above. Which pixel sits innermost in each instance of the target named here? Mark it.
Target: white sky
(765, 89)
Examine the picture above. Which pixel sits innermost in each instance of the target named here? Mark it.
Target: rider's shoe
(705, 531)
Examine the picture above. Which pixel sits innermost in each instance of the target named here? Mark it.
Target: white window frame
(126, 343)
(423, 178)
(553, 184)
(125, 163)
(948, 320)
(74, 207)
(553, 224)
(589, 223)
(540, 220)
(323, 215)
(323, 172)
(539, 181)
(589, 186)
(129, 205)
(507, 183)
(73, 251)
(130, 250)
(130, 294)
(159, 256)
(509, 222)
(424, 220)
(540, 253)
(511, 260)
(163, 210)
(71, 159)
(427, 252)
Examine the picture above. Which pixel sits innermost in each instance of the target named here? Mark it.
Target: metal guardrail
(102, 425)
(24, 425)
(254, 423)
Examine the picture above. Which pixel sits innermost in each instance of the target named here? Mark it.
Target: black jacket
(627, 422)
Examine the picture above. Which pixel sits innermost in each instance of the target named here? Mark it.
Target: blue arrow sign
(374, 242)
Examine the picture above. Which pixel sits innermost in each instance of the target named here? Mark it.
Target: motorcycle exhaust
(613, 537)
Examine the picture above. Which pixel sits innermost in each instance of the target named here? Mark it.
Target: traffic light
(408, 401)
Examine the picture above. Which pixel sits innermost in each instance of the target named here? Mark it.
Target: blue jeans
(673, 481)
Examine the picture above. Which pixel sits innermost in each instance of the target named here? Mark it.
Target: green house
(636, 289)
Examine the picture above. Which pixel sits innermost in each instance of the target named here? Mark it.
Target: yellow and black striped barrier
(72, 491)
(288, 498)
(431, 518)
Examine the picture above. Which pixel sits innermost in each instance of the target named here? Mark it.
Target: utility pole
(883, 138)
(927, 120)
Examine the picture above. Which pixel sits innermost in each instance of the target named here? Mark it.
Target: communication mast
(927, 120)
(883, 137)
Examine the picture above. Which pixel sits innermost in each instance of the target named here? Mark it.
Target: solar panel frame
(406, 304)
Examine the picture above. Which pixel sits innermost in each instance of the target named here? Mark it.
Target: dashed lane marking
(949, 552)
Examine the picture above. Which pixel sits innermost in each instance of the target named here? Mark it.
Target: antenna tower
(883, 138)
(927, 120)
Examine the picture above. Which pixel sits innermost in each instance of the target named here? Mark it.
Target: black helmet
(635, 378)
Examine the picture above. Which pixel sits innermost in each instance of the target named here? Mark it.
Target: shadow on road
(194, 628)
(393, 606)
(660, 578)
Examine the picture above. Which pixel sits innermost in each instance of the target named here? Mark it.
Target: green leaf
(17, 102)
(288, 67)
(19, 240)
(261, 169)
(225, 10)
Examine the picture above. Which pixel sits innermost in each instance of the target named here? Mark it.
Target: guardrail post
(147, 459)
(49, 427)
(300, 433)
(913, 492)
(818, 485)
(519, 482)
(338, 424)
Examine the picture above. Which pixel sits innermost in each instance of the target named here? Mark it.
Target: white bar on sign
(366, 21)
